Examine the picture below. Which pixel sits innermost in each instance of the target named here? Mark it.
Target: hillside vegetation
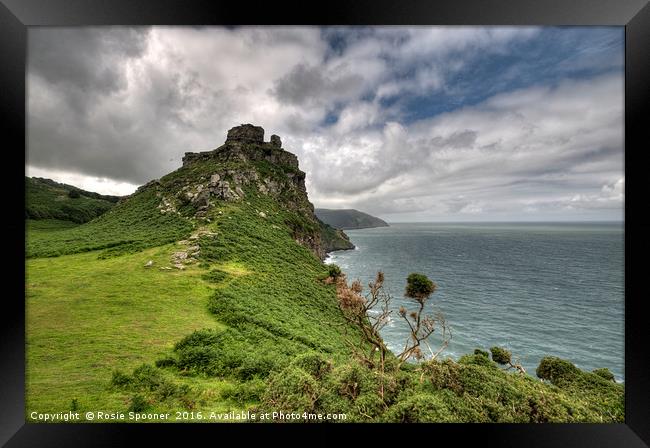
(46, 199)
(205, 292)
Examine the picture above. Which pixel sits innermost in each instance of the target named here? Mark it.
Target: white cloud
(130, 116)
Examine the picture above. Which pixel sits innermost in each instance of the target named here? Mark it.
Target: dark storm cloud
(88, 59)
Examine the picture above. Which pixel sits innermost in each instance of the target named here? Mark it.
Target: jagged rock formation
(246, 164)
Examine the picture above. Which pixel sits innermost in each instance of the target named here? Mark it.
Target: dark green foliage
(605, 373)
(600, 393)
(313, 363)
(46, 199)
(249, 391)
(224, 353)
(421, 407)
(139, 404)
(166, 362)
(478, 351)
(292, 390)
(419, 287)
(215, 276)
(482, 359)
(556, 370)
(120, 379)
(151, 386)
(74, 405)
(333, 271)
(501, 355)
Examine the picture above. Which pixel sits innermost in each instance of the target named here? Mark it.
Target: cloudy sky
(407, 123)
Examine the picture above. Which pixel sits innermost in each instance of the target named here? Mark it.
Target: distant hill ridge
(347, 219)
(47, 199)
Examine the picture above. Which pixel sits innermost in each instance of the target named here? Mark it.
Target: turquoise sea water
(536, 288)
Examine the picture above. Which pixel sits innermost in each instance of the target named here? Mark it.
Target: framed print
(370, 214)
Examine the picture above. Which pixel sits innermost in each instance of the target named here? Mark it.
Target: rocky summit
(246, 166)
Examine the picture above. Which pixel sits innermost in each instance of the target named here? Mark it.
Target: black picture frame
(17, 15)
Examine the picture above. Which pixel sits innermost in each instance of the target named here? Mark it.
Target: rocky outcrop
(246, 164)
(246, 133)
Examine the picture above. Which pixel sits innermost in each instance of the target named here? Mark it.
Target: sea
(538, 289)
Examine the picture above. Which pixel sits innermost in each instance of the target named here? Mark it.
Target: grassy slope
(251, 326)
(47, 199)
(129, 226)
(111, 313)
(86, 317)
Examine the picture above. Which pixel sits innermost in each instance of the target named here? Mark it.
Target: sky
(406, 123)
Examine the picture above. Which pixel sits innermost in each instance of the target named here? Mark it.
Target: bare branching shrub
(371, 312)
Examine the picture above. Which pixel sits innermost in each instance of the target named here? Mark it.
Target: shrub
(147, 377)
(313, 363)
(245, 392)
(478, 351)
(333, 271)
(419, 287)
(120, 379)
(215, 276)
(352, 379)
(501, 355)
(477, 359)
(556, 370)
(166, 362)
(73, 194)
(420, 407)
(138, 404)
(444, 375)
(605, 373)
(291, 390)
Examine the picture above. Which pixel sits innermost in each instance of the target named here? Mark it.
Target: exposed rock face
(246, 164)
(246, 133)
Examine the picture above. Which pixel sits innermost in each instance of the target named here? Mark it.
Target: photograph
(325, 224)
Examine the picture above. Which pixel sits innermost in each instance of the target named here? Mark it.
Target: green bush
(139, 404)
(313, 363)
(333, 271)
(481, 359)
(249, 391)
(478, 351)
(291, 390)
(419, 408)
(419, 287)
(120, 379)
(556, 370)
(605, 373)
(501, 355)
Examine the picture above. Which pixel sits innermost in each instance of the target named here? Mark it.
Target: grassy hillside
(349, 219)
(47, 199)
(176, 300)
(130, 226)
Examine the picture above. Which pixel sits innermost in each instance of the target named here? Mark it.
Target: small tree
(502, 356)
(420, 288)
